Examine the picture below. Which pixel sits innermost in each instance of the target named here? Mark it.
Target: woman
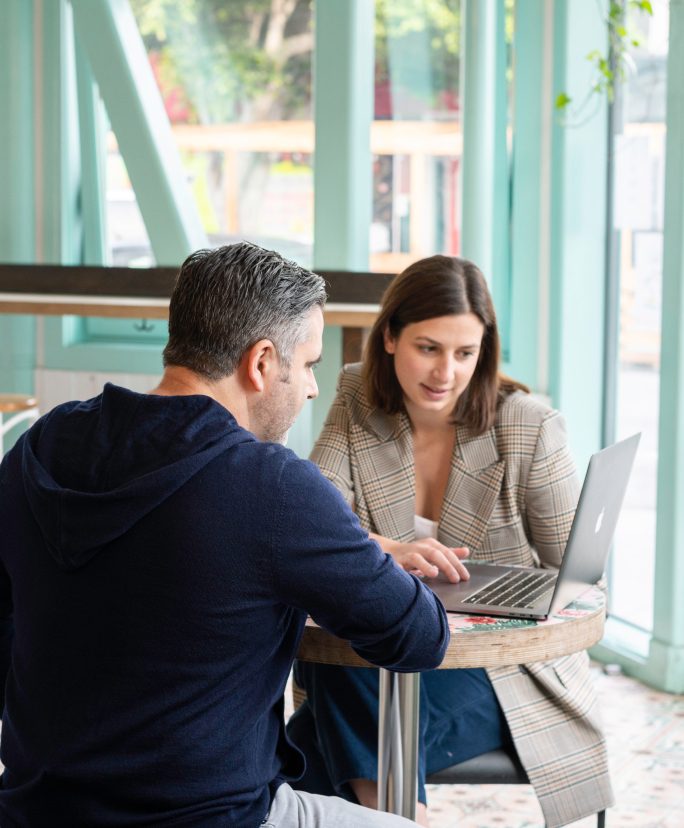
(439, 454)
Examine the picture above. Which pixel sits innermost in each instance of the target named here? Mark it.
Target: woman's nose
(445, 368)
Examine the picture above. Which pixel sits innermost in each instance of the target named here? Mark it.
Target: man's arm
(325, 563)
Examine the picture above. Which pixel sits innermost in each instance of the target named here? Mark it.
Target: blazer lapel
(385, 466)
(472, 491)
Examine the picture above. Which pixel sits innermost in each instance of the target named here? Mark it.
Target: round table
(476, 641)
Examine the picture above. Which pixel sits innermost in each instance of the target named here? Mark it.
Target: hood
(93, 469)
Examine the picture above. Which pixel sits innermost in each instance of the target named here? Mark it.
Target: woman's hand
(427, 557)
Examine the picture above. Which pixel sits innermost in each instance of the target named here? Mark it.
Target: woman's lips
(434, 393)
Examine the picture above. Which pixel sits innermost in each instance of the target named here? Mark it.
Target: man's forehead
(311, 347)
(314, 324)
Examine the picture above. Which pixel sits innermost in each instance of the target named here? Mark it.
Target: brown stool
(17, 408)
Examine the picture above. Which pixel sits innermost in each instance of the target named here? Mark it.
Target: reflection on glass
(235, 78)
(639, 149)
(416, 138)
(236, 81)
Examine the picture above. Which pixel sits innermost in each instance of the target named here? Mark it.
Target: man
(158, 557)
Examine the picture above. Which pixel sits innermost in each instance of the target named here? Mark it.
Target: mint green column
(93, 162)
(17, 198)
(485, 202)
(578, 226)
(343, 112)
(531, 165)
(59, 233)
(666, 657)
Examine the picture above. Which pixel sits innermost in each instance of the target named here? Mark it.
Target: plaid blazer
(510, 498)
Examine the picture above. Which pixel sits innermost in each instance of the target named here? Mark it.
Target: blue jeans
(336, 728)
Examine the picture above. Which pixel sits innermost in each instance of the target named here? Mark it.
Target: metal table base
(398, 743)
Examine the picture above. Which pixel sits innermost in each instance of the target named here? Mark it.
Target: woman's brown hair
(432, 287)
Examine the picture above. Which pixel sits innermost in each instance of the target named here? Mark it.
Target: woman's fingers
(429, 557)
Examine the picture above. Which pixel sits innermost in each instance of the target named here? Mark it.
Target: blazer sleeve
(552, 491)
(332, 452)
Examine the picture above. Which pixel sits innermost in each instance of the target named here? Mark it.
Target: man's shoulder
(275, 462)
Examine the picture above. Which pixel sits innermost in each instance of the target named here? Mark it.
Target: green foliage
(419, 29)
(224, 58)
(610, 68)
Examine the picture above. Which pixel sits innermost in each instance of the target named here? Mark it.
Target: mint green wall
(17, 199)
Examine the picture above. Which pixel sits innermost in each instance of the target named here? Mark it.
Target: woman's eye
(427, 349)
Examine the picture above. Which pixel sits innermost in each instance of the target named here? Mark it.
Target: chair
(18, 407)
(498, 767)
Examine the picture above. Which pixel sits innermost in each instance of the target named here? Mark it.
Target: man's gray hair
(228, 298)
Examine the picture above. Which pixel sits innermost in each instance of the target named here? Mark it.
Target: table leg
(398, 742)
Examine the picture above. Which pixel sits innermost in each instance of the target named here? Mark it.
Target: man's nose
(313, 390)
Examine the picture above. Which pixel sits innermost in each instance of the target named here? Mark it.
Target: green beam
(531, 169)
(17, 197)
(109, 34)
(59, 237)
(666, 655)
(93, 159)
(485, 191)
(17, 232)
(343, 111)
(577, 232)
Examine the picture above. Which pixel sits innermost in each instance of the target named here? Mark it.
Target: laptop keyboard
(515, 589)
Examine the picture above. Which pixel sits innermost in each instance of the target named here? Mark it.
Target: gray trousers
(297, 809)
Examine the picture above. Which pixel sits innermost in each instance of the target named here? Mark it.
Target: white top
(425, 528)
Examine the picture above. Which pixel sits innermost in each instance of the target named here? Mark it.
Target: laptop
(524, 592)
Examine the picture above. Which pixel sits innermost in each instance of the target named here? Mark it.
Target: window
(416, 138)
(639, 158)
(235, 78)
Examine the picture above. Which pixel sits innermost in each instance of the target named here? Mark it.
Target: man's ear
(261, 364)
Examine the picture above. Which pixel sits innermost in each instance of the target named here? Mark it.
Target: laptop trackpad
(453, 595)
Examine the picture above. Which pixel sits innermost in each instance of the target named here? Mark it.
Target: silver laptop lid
(591, 535)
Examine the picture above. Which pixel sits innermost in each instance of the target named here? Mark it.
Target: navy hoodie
(157, 564)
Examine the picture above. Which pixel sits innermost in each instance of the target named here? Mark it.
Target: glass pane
(416, 138)
(235, 78)
(639, 150)
(127, 239)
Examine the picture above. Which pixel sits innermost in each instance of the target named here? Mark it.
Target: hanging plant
(610, 68)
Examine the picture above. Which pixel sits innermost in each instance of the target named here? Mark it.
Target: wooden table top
(485, 641)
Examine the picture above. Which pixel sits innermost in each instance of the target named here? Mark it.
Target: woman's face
(434, 361)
